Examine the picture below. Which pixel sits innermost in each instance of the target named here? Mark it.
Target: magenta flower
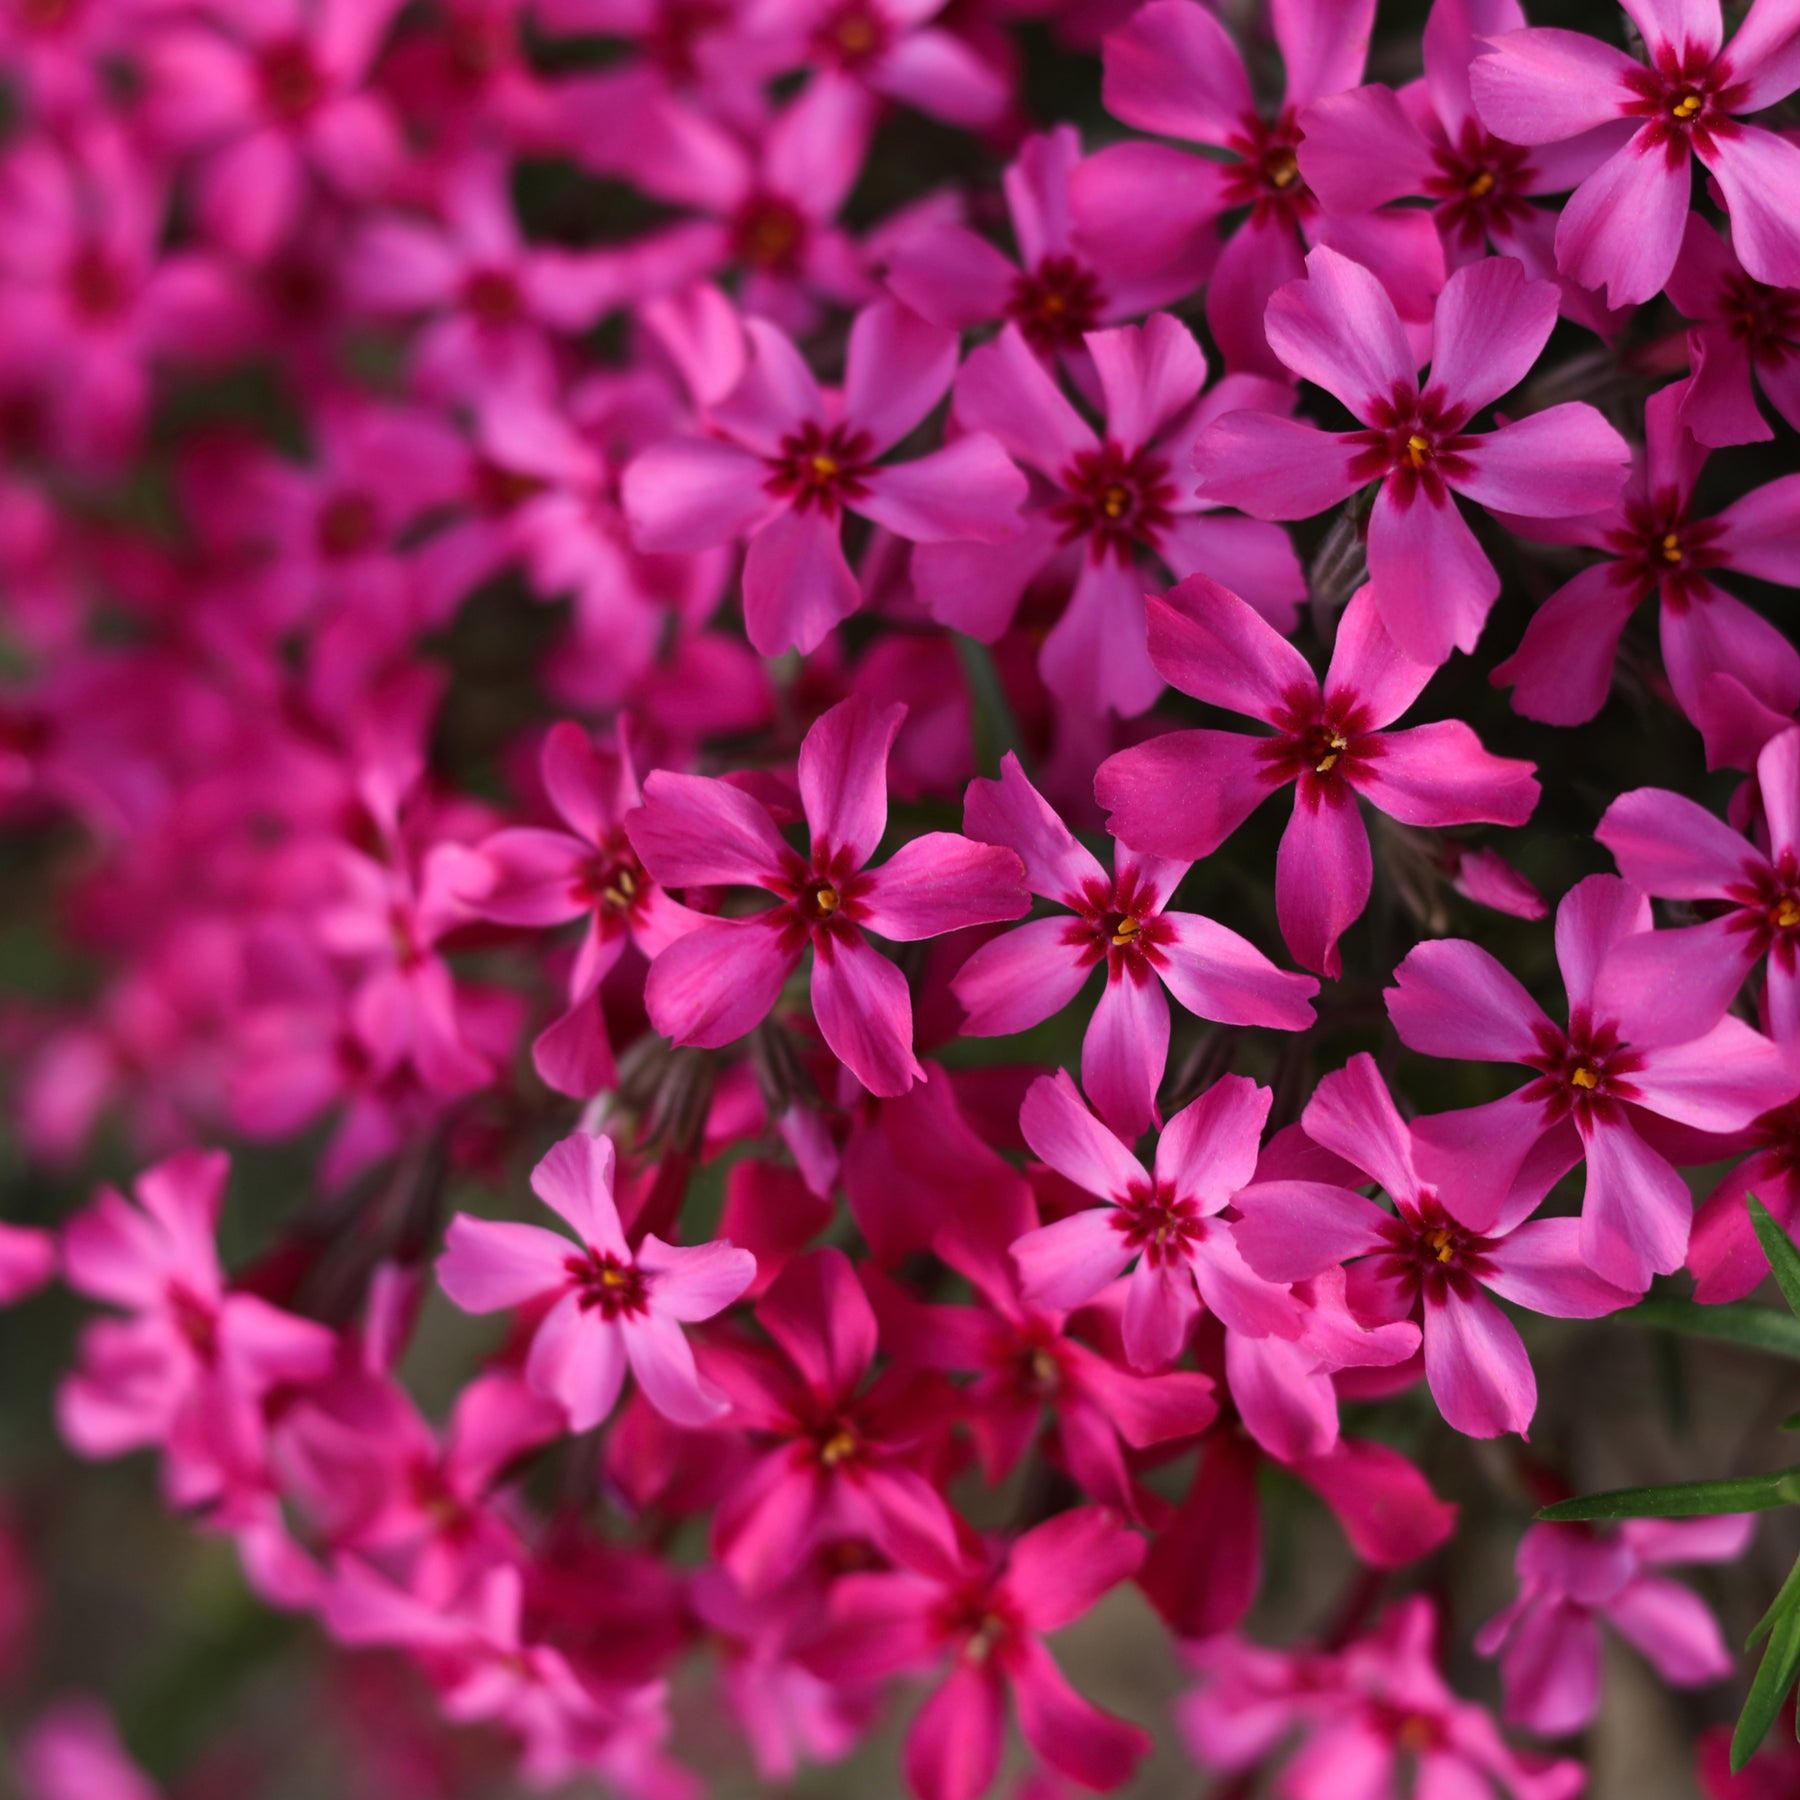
(1368, 146)
(1673, 848)
(786, 461)
(1056, 293)
(1562, 669)
(1019, 980)
(1741, 327)
(1425, 1259)
(1622, 226)
(1173, 69)
(1110, 513)
(717, 982)
(608, 1304)
(988, 1612)
(1339, 330)
(278, 93)
(1596, 1093)
(1183, 794)
(1167, 1222)
(1724, 1254)
(73, 1752)
(1548, 1640)
(533, 876)
(841, 1466)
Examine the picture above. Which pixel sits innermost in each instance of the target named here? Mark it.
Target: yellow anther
(1282, 168)
(1126, 930)
(1585, 1077)
(613, 1278)
(1687, 106)
(1114, 500)
(1440, 1243)
(1053, 304)
(856, 35)
(1418, 450)
(1044, 1370)
(1671, 547)
(824, 467)
(1337, 744)
(1785, 913)
(837, 1447)
(826, 899)
(1480, 184)
(621, 890)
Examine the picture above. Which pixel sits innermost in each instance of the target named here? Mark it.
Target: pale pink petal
(718, 982)
(1595, 915)
(1125, 1050)
(1183, 794)
(1476, 1366)
(1209, 1149)
(577, 1359)
(1432, 580)
(663, 1361)
(1563, 460)
(1637, 1210)
(864, 1013)
(1352, 1113)
(696, 1281)
(1065, 1134)
(1540, 1267)
(575, 1180)
(797, 584)
(1338, 329)
(1551, 1669)
(968, 489)
(1666, 987)
(1536, 86)
(1621, 229)
(1273, 468)
(692, 493)
(490, 1264)
(1674, 1629)
(1240, 1299)
(1216, 974)
(1066, 1264)
(1440, 775)
(1323, 872)
(1213, 645)
(693, 831)
(1252, 559)
(1453, 999)
(843, 777)
(1759, 172)
(1173, 70)
(1718, 1082)
(1160, 1308)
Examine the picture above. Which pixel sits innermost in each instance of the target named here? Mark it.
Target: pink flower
(608, 1304)
(189, 1366)
(719, 981)
(1598, 1093)
(1364, 1714)
(1018, 980)
(1056, 294)
(1182, 795)
(1110, 510)
(277, 94)
(1174, 70)
(1166, 1222)
(1622, 226)
(533, 876)
(1724, 1253)
(786, 460)
(1562, 669)
(842, 1463)
(1339, 330)
(1569, 1580)
(988, 1611)
(1673, 848)
(1368, 146)
(1425, 1258)
(72, 1752)
(1741, 327)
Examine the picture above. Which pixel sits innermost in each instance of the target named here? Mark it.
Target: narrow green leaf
(1683, 1499)
(1737, 1322)
(1790, 1423)
(1781, 1250)
(1775, 1674)
(1784, 1602)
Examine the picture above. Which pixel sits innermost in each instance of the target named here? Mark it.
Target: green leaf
(1736, 1322)
(1782, 1252)
(1790, 1423)
(1775, 1674)
(996, 727)
(1782, 1604)
(1683, 1499)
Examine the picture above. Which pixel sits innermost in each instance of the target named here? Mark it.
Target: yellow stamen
(612, 1278)
(1440, 1242)
(1338, 745)
(1126, 930)
(1418, 450)
(1114, 501)
(622, 890)
(1053, 304)
(1687, 106)
(1480, 184)
(827, 900)
(1584, 1077)
(1282, 169)
(856, 36)
(836, 1448)
(1786, 913)
(1044, 1371)
(824, 467)
(1671, 547)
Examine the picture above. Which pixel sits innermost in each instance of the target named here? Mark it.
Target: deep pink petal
(1094, 659)
(1492, 323)
(1440, 775)
(1476, 1366)
(1762, 532)
(818, 1313)
(489, 1264)
(574, 1179)
(1352, 1113)
(1338, 329)
(864, 1012)
(1066, 1264)
(1181, 795)
(953, 1749)
(1759, 172)
(1012, 812)
(689, 494)
(1214, 646)
(1637, 1210)
(1065, 1134)
(1765, 53)
(1006, 392)
(1174, 71)
(1071, 1734)
(843, 777)
(1561, 461)
(942, 882)
(951, 276)
(1209, 1149)
(1124, 1052)
(1666, 987)
(694, 1281)
(897, 368)
(694, 831)
(1273, 468)
(1160, 1308)
(1020, 979)
(1674, 1628)
(1361, 150)
(797, 584)
(1595, 915)
(1540, 1267)
(1453, 999)
(1562, 670)
(1141, 209)
(1536, 86)
(718, 982)
(1432, 580)
(1148, 373)
(663, 1361)
(1324, 44)
(1063, 1568)
(1292, 1230)
(1621, 229)
(1718, 1082)
(1216, 974)
(1323, 872)
(1251, 558)
(1368, 669)
(967, 490)
(1243, 1301)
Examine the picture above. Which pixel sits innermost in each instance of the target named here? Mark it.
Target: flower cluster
(574, 623)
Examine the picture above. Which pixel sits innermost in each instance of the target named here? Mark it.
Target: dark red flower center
(1116, 499)
(1685, 100)
(1767, 900)
(837, 1443)
(1267, 179)
(821, 466)
(196, 1320)
(1766, 318)
(852, 36)
(290, 80)
(605, 1285)
(1121, 924)
(1425, 1244)
(769, 232)
(45, 16)
(1659, 546)
(96, 284)
(1479, 183)
(1323, 744)
(1585, 1071)
(349, 525)
(493, 299)
(1164, 1228)
(498, 490)
(1414, 443)
(981, 1621)
(614, 881)
(1055, 303)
